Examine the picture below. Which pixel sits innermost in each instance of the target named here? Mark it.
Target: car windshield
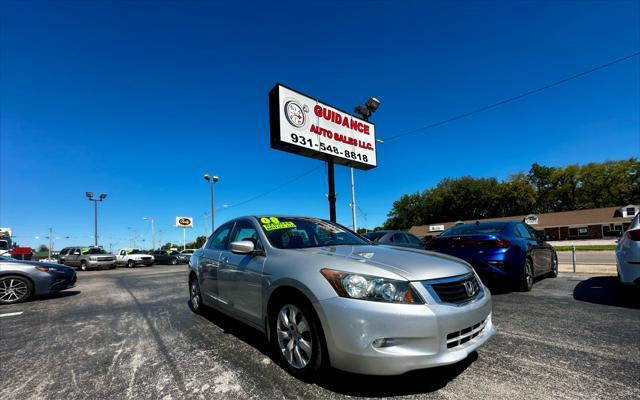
(298, 233)
(93, 250)
(135, 251)
(4, 245)
(474, 229)
(374, 236)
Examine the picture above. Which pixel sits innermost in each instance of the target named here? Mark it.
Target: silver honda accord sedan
(325, 296)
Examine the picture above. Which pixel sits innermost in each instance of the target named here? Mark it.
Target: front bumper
(419, 333)
(98, 264)
(143, 262)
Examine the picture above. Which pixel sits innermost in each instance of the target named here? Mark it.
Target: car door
(73, 257)
(533, 247)
(208, 264)
(160, 256)
(240, 275)
(121, 257)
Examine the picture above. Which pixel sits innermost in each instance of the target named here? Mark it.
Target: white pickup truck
(133, 257)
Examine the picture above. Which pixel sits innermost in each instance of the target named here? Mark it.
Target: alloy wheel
(195, 295)
(528, 275)
(13, 290)
(294, 336)
(83, 266)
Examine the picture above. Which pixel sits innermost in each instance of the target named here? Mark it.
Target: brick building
(595, 223)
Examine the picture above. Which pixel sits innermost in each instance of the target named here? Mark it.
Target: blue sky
(139, 99)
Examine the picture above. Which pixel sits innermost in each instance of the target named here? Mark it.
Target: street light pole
(153, 232)
(212, 179)
(101, 197)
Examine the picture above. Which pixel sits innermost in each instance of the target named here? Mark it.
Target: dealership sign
(184, 222)
(305, 126)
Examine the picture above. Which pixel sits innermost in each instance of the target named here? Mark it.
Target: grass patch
(591, 247)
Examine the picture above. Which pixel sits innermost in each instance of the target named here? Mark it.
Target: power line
(290, 181)
(511, 99)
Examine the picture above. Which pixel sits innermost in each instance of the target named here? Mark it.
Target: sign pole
(332, 191)
(184, 239)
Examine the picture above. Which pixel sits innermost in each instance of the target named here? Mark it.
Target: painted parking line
(11, 314)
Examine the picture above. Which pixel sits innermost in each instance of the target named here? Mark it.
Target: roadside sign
(184, 222)
(303, 125)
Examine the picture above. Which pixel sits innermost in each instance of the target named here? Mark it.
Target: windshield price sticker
(273, 223)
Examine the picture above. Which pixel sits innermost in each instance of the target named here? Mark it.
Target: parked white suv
(133, 257)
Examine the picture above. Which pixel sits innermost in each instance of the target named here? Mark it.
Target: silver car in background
(325, 296)
(628, 254)
(20, 280)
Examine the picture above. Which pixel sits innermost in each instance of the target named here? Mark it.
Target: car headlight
(373, 288)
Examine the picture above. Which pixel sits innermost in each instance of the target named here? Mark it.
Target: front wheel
(14, 289)
(526, 281)
(174, 261)
(131, 263)
(195, 296)
(296, 339)
(84, 266)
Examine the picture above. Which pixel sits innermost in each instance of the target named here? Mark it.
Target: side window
(123, 253)
(63, 252)
(534, 233)
(413, 239)
(246, 231)
(398, 238)
(218, 240)
(523, 231)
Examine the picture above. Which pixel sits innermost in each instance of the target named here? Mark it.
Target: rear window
(374, 236)
(473, 229)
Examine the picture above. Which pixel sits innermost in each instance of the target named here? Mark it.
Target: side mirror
(242, 247)
(77, 253)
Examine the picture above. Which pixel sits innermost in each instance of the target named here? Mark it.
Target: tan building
(595, 223)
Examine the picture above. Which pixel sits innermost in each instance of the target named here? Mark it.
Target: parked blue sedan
(500, 252)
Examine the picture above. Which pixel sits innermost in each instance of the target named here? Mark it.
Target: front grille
(458, 338)
(145, 258)
(105, 258)
(457, 290)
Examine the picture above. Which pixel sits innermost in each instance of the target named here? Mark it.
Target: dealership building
(595, 223)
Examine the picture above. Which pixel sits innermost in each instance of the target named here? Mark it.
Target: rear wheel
(131, 264)
(14, 289)
(526, 282)
(296, 338)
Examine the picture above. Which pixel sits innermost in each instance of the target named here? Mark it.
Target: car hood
(411, 264)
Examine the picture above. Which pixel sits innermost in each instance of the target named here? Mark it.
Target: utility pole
(353, 202)
(50, 242)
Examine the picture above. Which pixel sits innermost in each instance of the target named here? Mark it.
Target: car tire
(83, 265)
(526, 281)
(112, 267)
(14, 289)
(131, 264)
(303, 334)
(195, 297)
(554, 266)
(174, 261)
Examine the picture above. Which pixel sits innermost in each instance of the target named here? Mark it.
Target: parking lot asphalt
(129, 334)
